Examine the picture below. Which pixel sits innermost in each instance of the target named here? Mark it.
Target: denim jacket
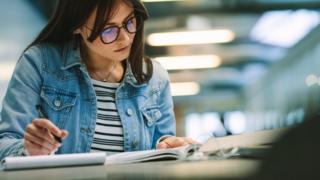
(55, 78)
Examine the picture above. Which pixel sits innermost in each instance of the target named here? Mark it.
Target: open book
(81, 159)
(181, 153)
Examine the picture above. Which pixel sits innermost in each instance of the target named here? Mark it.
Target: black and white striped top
(108, 135)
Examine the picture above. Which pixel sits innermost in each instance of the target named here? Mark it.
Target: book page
(148, 155)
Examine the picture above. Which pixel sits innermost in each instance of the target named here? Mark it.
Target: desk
(225, 169)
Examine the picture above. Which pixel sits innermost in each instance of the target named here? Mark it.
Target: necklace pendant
(104, 80)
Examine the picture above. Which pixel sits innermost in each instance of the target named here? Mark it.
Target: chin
(119, 59)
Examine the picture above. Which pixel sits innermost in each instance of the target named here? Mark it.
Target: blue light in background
(284, 28)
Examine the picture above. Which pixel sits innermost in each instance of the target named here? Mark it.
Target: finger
(168, 142)
(41, 133)
(41, 142)
(177, 141)
(45, 123)
(162, 145)
(30, 146)
(35, 149)
(173, 142)
(191, 141)
(53, 138)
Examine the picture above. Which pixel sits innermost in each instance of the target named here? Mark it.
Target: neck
(101, 68)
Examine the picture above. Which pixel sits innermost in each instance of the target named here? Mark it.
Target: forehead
(119, 12)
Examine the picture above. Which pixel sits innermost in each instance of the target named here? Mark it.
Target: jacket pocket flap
(58, 99)
(151, 115)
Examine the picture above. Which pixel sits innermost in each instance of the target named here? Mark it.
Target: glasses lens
(109, 34)
(131, 25)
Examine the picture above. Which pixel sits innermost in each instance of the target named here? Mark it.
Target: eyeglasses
(111, 33)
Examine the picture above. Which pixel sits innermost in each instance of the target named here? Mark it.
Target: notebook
(81, 159)
(46, 161)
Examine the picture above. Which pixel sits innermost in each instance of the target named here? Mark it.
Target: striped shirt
(108, 135)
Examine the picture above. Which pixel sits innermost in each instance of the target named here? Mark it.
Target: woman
(85, 80)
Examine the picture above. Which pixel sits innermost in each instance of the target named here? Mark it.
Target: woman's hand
(39, 139)
(173, 141)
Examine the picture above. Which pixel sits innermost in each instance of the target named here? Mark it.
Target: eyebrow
(112, 23)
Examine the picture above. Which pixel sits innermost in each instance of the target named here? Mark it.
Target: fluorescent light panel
(184, 88)
(189, 62)
(192, 37)
(285, 28)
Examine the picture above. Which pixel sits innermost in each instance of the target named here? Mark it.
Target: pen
(41, 115)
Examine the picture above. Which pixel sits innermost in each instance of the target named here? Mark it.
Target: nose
(123, 35)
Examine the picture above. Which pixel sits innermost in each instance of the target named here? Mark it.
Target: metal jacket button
(57, 102)
(129, 112)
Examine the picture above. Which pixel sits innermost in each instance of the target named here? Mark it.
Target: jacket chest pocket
(151, 115)
(57, 104)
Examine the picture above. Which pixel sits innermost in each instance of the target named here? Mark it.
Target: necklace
(105, 79)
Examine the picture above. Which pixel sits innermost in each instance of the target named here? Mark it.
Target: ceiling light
(192, 37)
(285, 28)
(189, 62)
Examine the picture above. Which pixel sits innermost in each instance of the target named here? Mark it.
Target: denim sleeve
(165, 126)
(18, 107)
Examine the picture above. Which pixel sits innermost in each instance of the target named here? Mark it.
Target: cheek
(107, 50)
(132, 37)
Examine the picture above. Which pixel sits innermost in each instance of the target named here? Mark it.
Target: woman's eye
(108, 30)
(129, 22)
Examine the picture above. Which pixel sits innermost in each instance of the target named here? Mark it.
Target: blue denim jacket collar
(71, 57)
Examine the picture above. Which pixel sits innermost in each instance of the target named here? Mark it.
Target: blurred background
(235, 65)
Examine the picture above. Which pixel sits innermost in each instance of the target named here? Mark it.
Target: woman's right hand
(39, 139)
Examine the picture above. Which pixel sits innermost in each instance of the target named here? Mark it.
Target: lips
(121, 49)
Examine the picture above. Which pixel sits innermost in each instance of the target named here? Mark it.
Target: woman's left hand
(173, 141)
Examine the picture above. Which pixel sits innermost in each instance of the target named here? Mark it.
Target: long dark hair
(72, 14)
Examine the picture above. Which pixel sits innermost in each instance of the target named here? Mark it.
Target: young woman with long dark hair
(85, 80)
